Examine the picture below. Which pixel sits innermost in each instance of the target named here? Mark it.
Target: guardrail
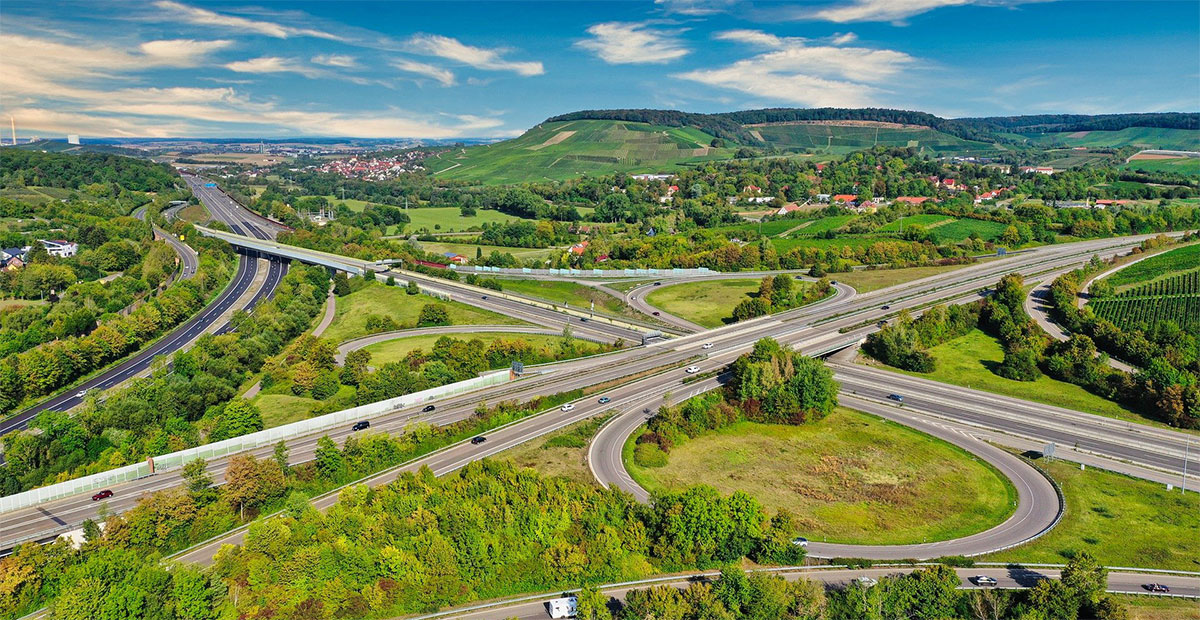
(589, 273)
(175, 460)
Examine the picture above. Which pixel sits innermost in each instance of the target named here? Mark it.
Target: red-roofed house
(788, 208)
(751, 189)
(990, 195)
(912, 200)
(579, 248)
(949, 183)
(843, 198)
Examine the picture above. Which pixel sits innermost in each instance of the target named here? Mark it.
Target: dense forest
(19, 167)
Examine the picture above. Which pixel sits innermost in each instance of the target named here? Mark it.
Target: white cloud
(893, 10)
(695, 7)
(442, 75)
(274, 64)
(335, 60)
(182, 52)
(844, 38)
(477, 57)
(622, 43)
(205, 17)
(794, 71)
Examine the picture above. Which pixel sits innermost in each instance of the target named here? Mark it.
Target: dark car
(604, 399)
(475, 441)
(428, 408)
(896, 397)
(483, 297)
(1157, 587)
(583, 319)
(658, 284)
(882, 323)
(105, 494)
(887, 307)
(361, 425)
(656, 313)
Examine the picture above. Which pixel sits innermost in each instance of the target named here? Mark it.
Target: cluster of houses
(374, 168)
(15, 258)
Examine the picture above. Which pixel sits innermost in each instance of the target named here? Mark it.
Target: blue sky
(164, 68)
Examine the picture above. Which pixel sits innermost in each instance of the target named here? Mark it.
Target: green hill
(838, 139)
(563, 150)
(1141, 137)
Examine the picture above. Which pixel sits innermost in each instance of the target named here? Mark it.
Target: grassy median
(709, 302)
(350, 318)
(850, 478)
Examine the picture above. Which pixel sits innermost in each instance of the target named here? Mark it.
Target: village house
(1037, 169)
(579, 248)
(59, 248)
(457, 259)
(912, 200)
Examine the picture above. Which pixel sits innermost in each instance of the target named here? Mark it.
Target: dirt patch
(1154, 156)
(552, 140)
(1078, 134)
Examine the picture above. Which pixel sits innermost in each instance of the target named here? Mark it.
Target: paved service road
(1014, 577)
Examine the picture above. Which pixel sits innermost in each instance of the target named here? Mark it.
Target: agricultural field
(350, 316)
(959, 230)
(843, 139)
(824, 224)
(1161, 265)
(928, 220)
(41, 195)
(849, 478)
(1175, 298)
(568, 149)
(1143, 137)
(854, 241)
(1070, 158)
(1178, 165)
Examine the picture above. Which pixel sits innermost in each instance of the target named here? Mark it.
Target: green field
(959, 230)
(469, 249)
(854, 241)
(842, 139)
(40, 195)
(1143, 137)
(928, 220)
(1177, 165)
(350, 318)
(562, 453)
(850, 478)
(568, 149)
(1158, 266)
(395, 350)
(709, 303)
(279, 409)
(866, 280)
(1123, 521)
(967, 361)
(1176, 298)
(576, 295)
(824, 224)
(450, 219)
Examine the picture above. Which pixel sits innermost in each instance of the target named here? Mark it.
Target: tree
(326, 385)
(250, 483)
(330, 462)
(591, 604)
(1086, 577)
(341, 284)
(1052, 600)
(199, 482)
(411, 288)
(391, 280)
(238, 418)
(355, 366)
(432, 315)
(281, 456)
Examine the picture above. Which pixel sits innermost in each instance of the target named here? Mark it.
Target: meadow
(842, 139)
(350, 317)
(1178, 165)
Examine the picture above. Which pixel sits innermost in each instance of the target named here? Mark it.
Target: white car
(691, 370)
(707, 345)
(983, 580)
(800, 541)
(865, 582)
(567, 407)
(81, 394)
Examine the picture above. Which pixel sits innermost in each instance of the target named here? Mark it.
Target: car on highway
(567, 407)
(865, 582)
(105, 494)
(800, 541)
(583, 319)
(691, 370)
(428, 408)
(658, 284)
(656, 313)
(887, 308)
(1157, 587)
(604, 399)
(483, 296)
(362, 425)
(475, 441)
(983, 580)
(882, 323)
(81, 394)
(707, 345)
(896, 397)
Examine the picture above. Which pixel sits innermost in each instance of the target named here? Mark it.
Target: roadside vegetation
(373, 307)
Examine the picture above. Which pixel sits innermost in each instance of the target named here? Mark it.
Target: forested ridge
(19, 167)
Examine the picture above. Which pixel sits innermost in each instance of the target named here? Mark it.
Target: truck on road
(564, 607)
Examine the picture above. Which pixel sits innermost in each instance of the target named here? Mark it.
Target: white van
(564, 607)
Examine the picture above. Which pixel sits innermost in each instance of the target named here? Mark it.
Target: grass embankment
(1123, 521)
(281, 408)
(967, 361)
(561, 453)
(867, 280)
(197, 214)
(579, 296)
(1159, 608)
(395, 350)
(709, 303)
(350, 318)
(469, 249)
(850, 478)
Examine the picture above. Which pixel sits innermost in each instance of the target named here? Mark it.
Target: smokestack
(14, 128)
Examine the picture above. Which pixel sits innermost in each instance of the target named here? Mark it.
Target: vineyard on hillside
(1176, 298)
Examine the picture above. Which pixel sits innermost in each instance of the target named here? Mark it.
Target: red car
(105, 494)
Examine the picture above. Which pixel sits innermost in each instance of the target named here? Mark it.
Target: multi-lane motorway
(808, 328)
(239, 220)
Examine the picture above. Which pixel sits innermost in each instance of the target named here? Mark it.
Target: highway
(188, 258)
(534, 607)
(811, 326)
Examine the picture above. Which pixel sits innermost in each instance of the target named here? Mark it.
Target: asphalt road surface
(1014, 577)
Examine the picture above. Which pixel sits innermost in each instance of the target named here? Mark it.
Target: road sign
(518, 368)
(1048, 451)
